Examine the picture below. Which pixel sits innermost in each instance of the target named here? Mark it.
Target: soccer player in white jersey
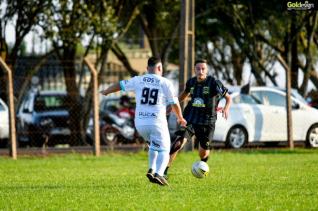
(153, 94)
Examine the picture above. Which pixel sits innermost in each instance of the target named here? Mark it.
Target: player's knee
(177, 145)
(206, 144)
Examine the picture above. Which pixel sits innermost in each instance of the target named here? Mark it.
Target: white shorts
(158, 137)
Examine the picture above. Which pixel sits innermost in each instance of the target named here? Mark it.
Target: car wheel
(89, 140)
(312, 136)
(236, 137)
(109, 136)
(22, 144)
(4, 143)
(35, 138)
(36, 141)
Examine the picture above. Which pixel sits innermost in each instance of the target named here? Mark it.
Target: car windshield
(298, 96)
(50, 102)
(243, 98)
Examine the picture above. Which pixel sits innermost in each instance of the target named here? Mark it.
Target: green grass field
(238, 180)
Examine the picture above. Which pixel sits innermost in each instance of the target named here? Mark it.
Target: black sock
(166, 171)
(205, 159)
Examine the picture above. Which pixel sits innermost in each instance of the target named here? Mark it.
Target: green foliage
(24, 15)
(67, 22)
(22, 49)
(254, 30)
(160, 22)
(80, 49)
(238, 180)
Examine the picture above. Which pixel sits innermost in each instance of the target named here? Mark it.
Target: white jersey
(153, 94)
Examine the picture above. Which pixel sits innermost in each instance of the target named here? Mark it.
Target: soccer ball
(200, 169)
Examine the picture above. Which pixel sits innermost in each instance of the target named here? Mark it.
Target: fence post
(13, 140)
(95, 107)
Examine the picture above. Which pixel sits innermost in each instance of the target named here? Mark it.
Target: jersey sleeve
(128, 85)
(188, 86)
(221, 90)
(169, 93)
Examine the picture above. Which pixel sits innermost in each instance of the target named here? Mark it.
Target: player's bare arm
(113, 88)
(225, 110)
(183, 96)
(177, 109)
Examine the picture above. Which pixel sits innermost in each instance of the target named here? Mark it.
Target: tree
(24, 15)
(66, 23)
(159, 21)
(125, 13)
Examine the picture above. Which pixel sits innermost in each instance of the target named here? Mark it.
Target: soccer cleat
(160, 180)
(150, 175)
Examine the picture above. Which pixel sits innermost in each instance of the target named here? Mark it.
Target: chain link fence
(55, 107)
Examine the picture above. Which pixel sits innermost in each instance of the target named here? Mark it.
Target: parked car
(260, 116)
(42, 115)
(294, 93)
(4, 124)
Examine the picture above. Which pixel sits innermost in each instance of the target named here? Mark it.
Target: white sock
(162, 162)
(152, 157)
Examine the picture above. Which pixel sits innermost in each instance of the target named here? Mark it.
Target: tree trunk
(311, 28)
(237, 62)
(294, 54)
(256, 72)
(122, 57)
(74, 102)
(314, 78)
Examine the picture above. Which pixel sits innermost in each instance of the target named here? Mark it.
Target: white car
(260, 116)
(4, 123)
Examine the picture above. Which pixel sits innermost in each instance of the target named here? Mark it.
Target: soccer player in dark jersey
(201, 111)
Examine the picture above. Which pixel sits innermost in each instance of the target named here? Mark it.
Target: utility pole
(289, 110)
(186, 55)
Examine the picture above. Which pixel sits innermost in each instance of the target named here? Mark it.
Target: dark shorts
(203, 133)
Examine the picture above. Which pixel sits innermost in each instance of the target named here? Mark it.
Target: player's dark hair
(152, 61)
(200, 61)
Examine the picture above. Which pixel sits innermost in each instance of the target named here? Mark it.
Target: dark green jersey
(205, 96)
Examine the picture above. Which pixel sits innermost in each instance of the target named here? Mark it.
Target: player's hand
(103, 92)
(225, 113)
(182, 122)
